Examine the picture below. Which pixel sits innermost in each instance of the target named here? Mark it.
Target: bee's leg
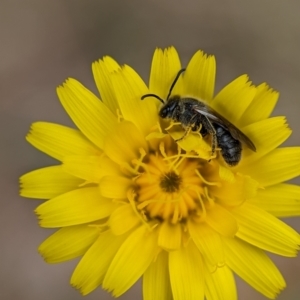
(203, 131)
(208, 126)
(192, 124)
(198, 126)
(197, 123)
(187, 131)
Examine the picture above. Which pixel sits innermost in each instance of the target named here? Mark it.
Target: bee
(196, 115)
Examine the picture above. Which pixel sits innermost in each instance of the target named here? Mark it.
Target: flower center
(172, 187)
(170, 182)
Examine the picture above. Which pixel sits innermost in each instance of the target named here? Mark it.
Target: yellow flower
(135, 200)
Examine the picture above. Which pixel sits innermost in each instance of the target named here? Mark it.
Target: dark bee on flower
(196, 115)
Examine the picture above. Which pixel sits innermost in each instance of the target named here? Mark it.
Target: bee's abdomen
(231, 149)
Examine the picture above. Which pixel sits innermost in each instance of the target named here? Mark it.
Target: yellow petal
(164, 68)
(186, 273)
(115, 186)
(123, 219)
(264, 139)
(169, 237)
(131, 261)
(220, 285)
(59, 141)
(280, 165)
(281, 200)
(129, 88)
(254, 266)
(124, 143)
(199, 77)
(235, 193)
(75, 207)
(193, 142)
(68, 243)
(221, 221)
(262, 105)
(91, 269)
(232, 101)
(102, 70)
(226, 174)
(89, 113)
(47, 183)
(90, 168)
(208, 242)
(264, 231)
(156, 281)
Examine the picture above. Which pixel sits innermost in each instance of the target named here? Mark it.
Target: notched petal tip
(199, 78)
(66, 83)
(165, 65)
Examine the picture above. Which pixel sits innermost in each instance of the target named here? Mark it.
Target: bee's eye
(164, 112)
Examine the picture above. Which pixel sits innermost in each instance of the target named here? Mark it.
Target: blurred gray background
(44, 42)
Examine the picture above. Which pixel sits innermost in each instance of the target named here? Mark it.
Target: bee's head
(166, 112)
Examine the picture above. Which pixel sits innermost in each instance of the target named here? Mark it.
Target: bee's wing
(215, 117)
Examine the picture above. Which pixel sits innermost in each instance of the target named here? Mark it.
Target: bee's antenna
(170, 91)
(174, 82)
(153, 95)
